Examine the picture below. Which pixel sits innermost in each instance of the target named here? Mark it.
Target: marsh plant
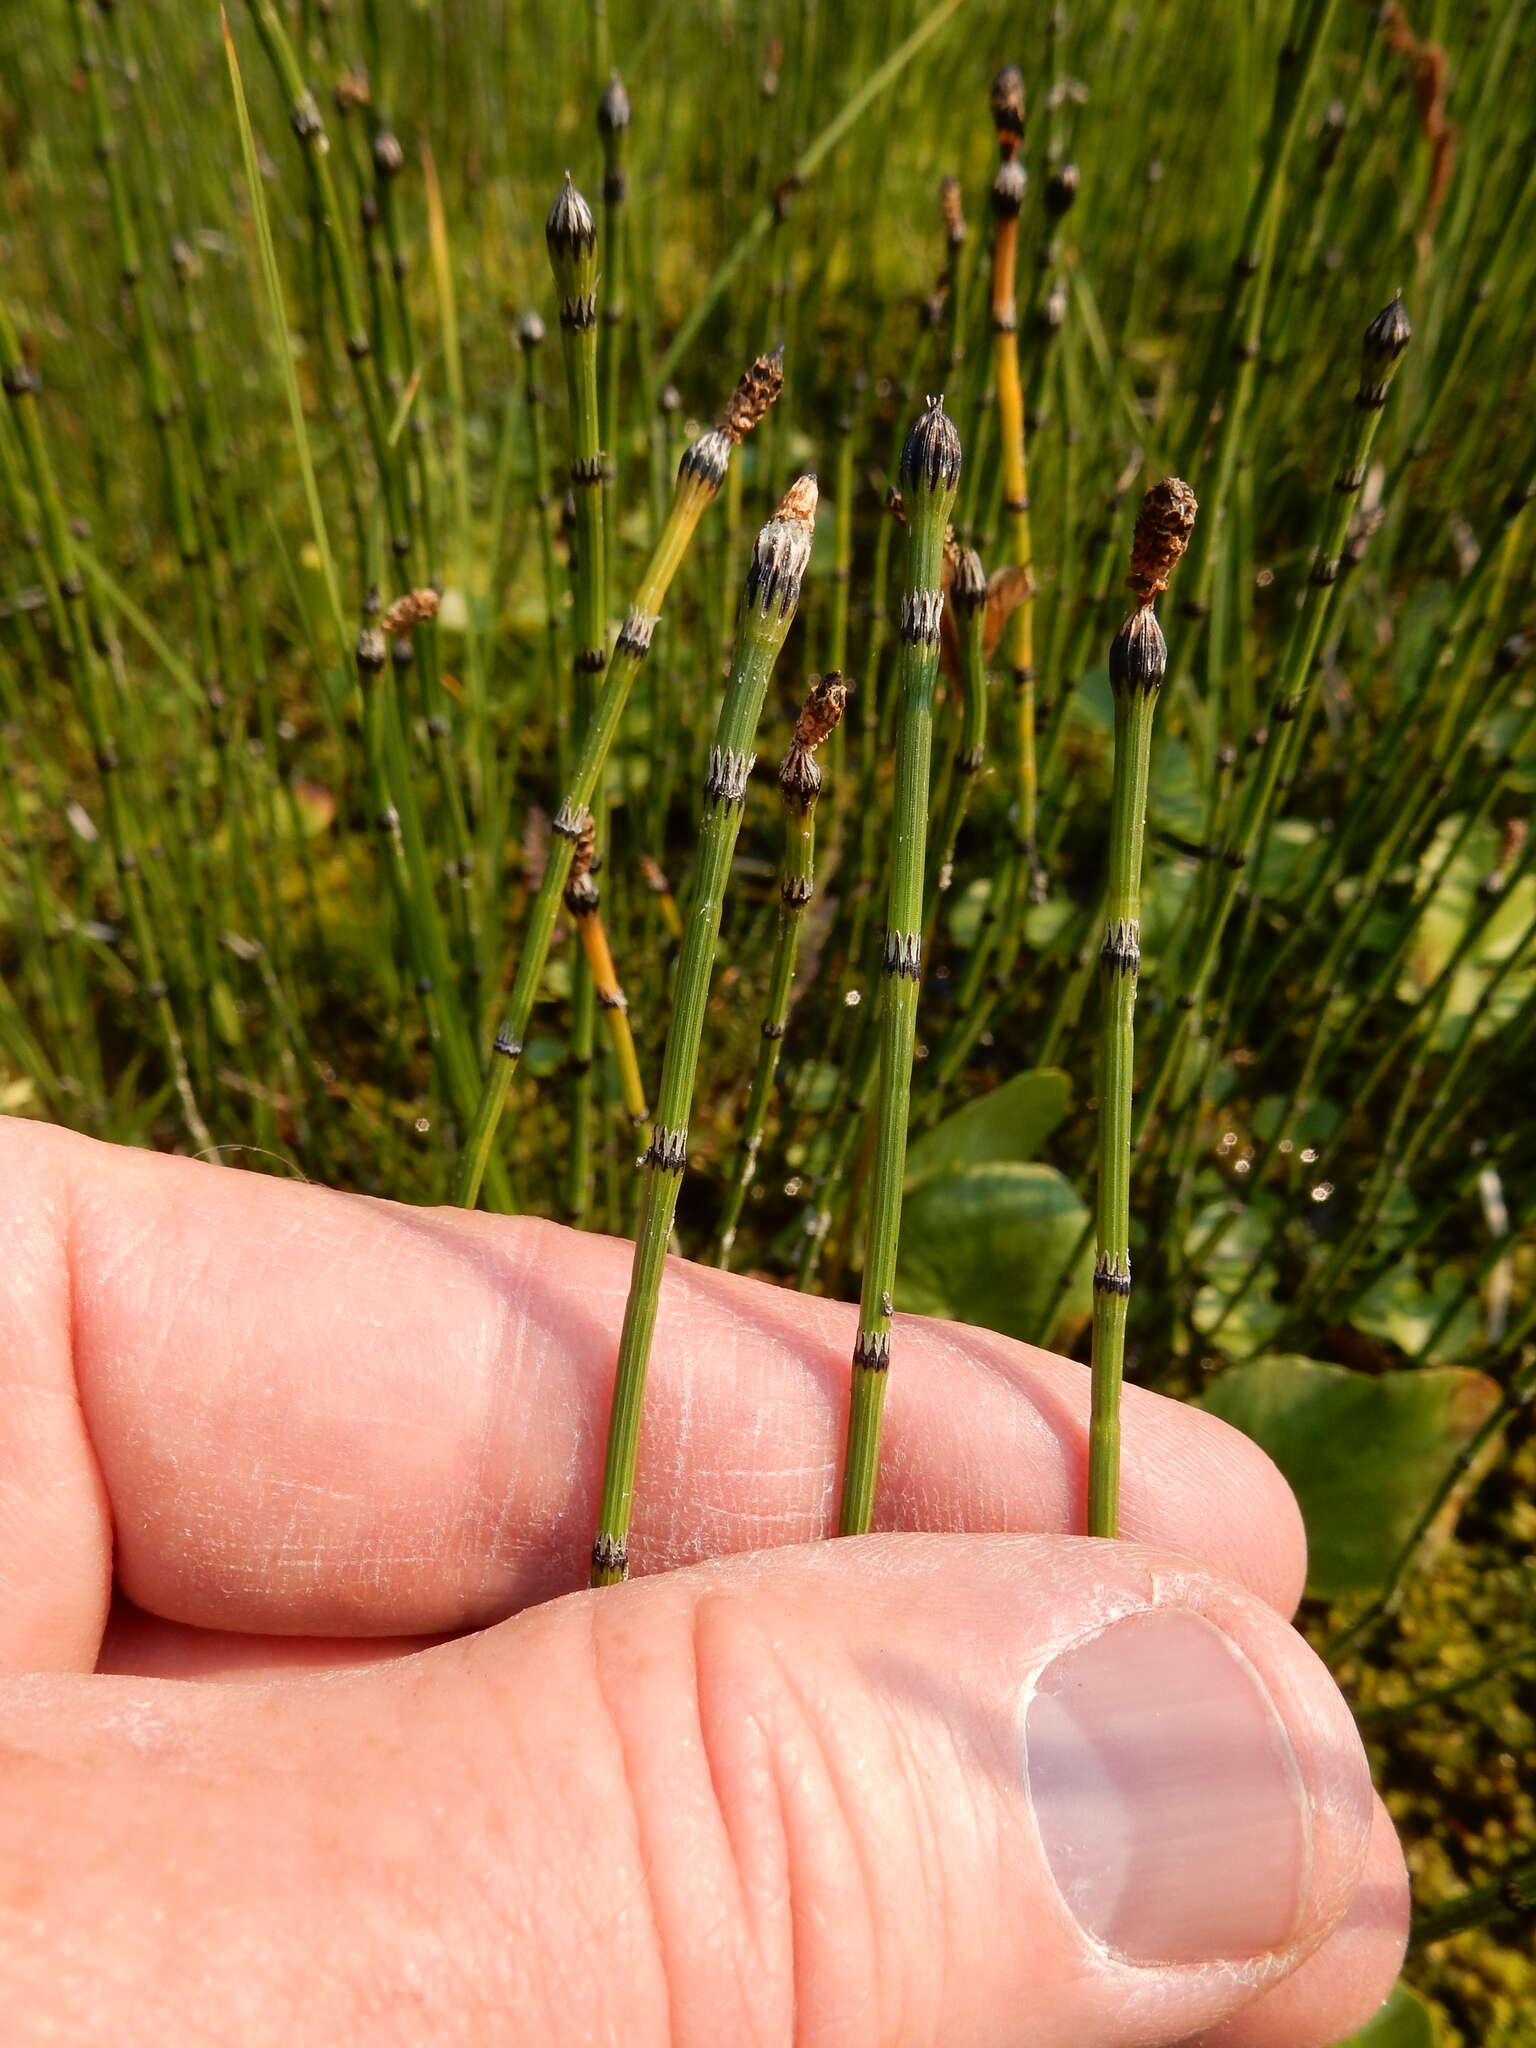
(516, 691)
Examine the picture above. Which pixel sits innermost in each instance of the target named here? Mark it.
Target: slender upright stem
(1138, 660)
(768, 607)
(571, 235)
(1019, 645)
(968, 606)
(930, 472)
(800, 782)
(1385, 340)
(1120, 959)
(309, 127)
(613, 126)
(699, 476)
(20, 383)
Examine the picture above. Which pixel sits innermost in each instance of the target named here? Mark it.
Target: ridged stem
(1019, 636)
(1119, 962)
(800, 783)
(698, 481)
(768, 608)
(1293, 681)
(930, 472)
(968, 606)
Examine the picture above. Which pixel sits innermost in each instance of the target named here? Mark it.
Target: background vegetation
(209, 939)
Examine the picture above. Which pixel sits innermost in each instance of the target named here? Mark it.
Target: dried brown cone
(1163, 526)
(584, 848)
(757, 390)
(416, 608)
(822, 710)
(800, 777)
(581, 896)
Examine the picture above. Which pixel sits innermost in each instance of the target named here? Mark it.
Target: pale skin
(300, 1743)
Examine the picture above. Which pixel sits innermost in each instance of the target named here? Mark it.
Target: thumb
(900, 1790)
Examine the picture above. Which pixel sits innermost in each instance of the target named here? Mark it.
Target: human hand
(905, 1789)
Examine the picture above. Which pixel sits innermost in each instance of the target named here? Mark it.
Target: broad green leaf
(1403, 2022)
(1406, 1312)
(1459, 903)
(1363, 1452)
(1012, 1122)
(1239, 1331)
(988, 1245)
(1233, 1265)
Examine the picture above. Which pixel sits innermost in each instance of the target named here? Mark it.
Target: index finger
(295, 1411)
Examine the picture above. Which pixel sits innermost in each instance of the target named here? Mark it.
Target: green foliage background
(1333, 1210)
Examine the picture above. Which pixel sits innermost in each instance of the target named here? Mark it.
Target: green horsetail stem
(1385, 340)
(699, 477)
(1019, 644)
(772, 592)
(800, 784)
(401, 855)
(21, 385)
(930, 472)
(1138, 661)
(613, 127)
(530, 336)
(571, 236)
(968, 607)
(331, 219)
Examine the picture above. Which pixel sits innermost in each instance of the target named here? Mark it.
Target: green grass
(250, 900)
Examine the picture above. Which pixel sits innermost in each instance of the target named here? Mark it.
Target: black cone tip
(1138, 655)
(930, 461)
(570, 229)
(1390, 332)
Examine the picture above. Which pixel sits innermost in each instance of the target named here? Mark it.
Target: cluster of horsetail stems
(700, 474)
(21, 385)
(769, 601)
(1385, 341)
(383, 760)
(1138, 661)
(800, 785)
(930, 474)
(1019, 644)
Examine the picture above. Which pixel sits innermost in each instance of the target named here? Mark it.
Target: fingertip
(1220, 1479)
(1345, 1982)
